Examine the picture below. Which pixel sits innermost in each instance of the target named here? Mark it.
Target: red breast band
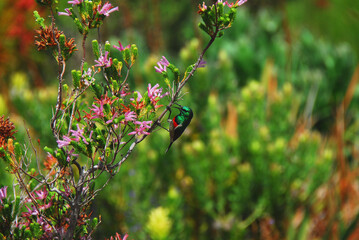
(174, 122)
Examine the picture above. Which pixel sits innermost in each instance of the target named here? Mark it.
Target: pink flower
(88, 73)
(103, 61)
(111, 120)
(106, 9)
(45, 206)
(141, 129)
(75, 2)
(41, 194)
(3, 193)
(45, 226)
(154, 93)
(202, 64)
(130, 116)
(121, 48)
(160, 68)
(70, 154)
(118, 237)
(97, 111)
(66, 13)
(63, 143)
(33, 211)
(240, 2)
(124, 93)
(164, 61)
(88, 77)
(162, 64)
(202, 8)
(78, 134)
(139, 97)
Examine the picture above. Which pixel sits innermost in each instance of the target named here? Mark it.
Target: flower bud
(49, 150)
(65, 88)
(18, 150)
(107, 47)
(79, 25)
(126, 56)
(76, 77)
(96, 49)
(62, 40)
(39, 19)
(134, 53)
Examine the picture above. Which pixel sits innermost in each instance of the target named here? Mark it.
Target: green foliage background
(261, 155)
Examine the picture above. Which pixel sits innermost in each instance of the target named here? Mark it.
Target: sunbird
(179, 123)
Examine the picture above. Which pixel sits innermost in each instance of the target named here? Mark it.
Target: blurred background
(272, 151)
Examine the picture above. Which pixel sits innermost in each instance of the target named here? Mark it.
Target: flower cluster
(237, 3)
(6, 131)
(75, 2)
(217, 15)
(121, 48)
(203, 7)
(92, 14)
(48, 38)
(35, 211)
(155, 94)
(66, 13)
(141, 128)
(162, 64)
(106, 9)
(104, 61)
(118, 237)
(76, 135)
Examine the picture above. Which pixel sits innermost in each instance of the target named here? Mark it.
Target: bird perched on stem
(179, 123)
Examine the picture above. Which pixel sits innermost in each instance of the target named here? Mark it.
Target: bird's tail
(168, 147)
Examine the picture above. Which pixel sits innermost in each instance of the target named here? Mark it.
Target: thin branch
(84, 52)
(35, 151)
(62, 67)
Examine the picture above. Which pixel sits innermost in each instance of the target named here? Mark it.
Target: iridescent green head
(186, 112)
